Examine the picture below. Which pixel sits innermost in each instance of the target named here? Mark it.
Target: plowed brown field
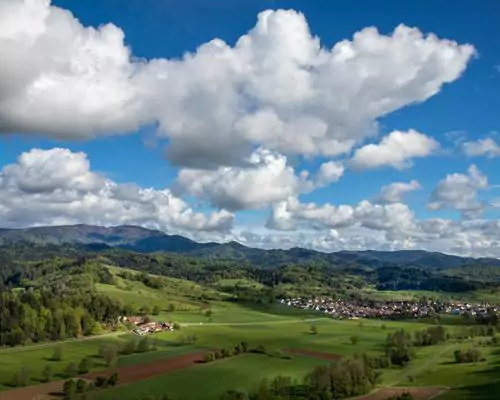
(126, 374)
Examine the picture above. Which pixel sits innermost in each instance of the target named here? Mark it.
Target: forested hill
(143, 240)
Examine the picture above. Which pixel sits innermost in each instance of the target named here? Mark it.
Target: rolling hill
(142, 240)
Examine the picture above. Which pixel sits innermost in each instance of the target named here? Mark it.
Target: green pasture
(230, 283)
(209, 381)
(36, 358)
(402, 295)
(468, 381)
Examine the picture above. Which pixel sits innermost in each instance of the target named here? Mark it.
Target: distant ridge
(143, 240)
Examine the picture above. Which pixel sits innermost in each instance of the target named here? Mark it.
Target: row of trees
(73, 389)
(226, 352)
(351, 376)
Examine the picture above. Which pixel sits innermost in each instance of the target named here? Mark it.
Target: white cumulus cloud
(395, 192)
(460, 192)
(482, 147)
(57, 187)
(397, 150)
(277, 87)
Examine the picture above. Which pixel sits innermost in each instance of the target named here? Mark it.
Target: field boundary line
(61, 342)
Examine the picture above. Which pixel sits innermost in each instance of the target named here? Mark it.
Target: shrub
(354, 340)
(81, 386)
(84, 366)
(112, 380)
(58, 354)
(71, 369)
(21, 378)
(260, 349)
(467, 356)
(47, 374)
(100, 381)
(226, 352)
(69, 387)
(244, 347)
(209, 357)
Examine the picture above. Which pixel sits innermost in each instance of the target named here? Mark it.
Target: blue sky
(464, 111)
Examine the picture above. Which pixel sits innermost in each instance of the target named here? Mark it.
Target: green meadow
(272, 326)
(209, 381)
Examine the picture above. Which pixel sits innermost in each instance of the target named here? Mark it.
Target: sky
(326, 125)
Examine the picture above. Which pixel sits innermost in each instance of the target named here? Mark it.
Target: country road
(186, 324)
(50, 344)
(288, 321)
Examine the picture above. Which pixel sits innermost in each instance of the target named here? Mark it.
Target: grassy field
(36, 358)
(211, 380)
(273, 326)
(433, 366)
(402, 295)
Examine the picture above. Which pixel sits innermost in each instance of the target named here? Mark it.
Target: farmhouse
(153, 327)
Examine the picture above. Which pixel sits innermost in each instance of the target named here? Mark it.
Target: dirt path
(126, 374)
(53, 344)
(315, 354)
(269, 322)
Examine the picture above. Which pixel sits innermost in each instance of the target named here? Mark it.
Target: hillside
(142, 240)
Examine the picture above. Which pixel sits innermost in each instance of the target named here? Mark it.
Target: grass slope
(213, 379)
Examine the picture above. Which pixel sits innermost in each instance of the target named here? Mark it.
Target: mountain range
(142, 240)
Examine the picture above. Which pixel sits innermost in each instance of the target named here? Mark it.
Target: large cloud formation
(57, 187)
(234, 117)
(277, 87)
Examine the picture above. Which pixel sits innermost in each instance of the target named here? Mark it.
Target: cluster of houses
(354, 309)
(144, 326)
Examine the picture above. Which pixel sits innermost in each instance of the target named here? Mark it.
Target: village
(145, 326)
(354, 309)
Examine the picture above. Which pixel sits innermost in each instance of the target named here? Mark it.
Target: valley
(217, 305)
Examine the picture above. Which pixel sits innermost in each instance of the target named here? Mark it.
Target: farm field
(213, 379)
(37, 358)
(433, 365)
(275, 327)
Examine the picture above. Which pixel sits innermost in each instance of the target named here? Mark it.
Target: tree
(145, 309)
(144, 345)
(109, 353)
(100, 381)
(71, 370)
(156, 310)
(113, 379)
(244, 347)
(84, 366)
(58, 354)
(226, 352)
(176, 326)
(171, 307)
(21, 378)
(69, 389)
(398, 347)
(81, 386)
(313, 329)
(130, 346)
(354, 339)
(209, 357)
(208, 313)
(47, 373)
